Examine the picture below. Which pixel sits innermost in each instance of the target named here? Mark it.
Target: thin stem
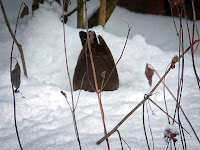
(71, 89)
(64, 94)
(167, 114)
(75, 9)
(14, 38)
(165, 101)
(129, 29)
(80, 90)
(120, 138)
(192, 49)
(95, 78)
(11, 56)
(180, 79)
(180, 107)
(14, 101)
(142, 102)
(145, 133)
(150, 127)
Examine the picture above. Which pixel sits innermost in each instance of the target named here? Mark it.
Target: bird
(103, 61)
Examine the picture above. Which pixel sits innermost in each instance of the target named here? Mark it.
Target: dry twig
(14, 38)
(129, 29)
(71, 89)
(147, 97)
(179, 106)
(145, 133)
(23, 62)
(95, 78)
(120, 138)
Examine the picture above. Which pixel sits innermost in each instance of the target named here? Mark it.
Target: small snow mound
(90, 124)
(139, 39)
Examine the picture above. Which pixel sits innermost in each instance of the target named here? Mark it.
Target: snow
(43, 117)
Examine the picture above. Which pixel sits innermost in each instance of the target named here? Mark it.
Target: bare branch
(145, 133)
(95, 78)
(13, 36)
(129, 29)
(80, 90)
(70, 83)
(142, 102)
(120, 138)
(168, 114)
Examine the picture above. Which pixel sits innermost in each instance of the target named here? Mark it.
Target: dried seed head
(175, 59)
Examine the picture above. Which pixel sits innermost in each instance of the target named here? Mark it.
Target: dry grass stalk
(13, 36)
(95, 78)
(146, 98)
(70, 83)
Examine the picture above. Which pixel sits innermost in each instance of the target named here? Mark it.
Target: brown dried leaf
(149, 72)
(25, 11)
(15, 76)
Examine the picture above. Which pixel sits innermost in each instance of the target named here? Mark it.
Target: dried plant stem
(167, 114)
(142, 102)
(87, 68)
(181, 11)
(75, 9)
(14, 104)
(126, 143)
(129, 29)
(180, 108)
(71, 89)
(145, 133)
(120, 138)
(150, 127)
(133, 110)
(165, 101)
(95, 78)
(15, 40)
(192, 49)
(79, 93)
(14, 101)
(64, 94)
(180, 79)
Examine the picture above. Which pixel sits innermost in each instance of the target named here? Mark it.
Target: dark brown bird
(103, 62)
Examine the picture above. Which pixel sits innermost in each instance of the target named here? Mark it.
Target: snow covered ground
(43, 116)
